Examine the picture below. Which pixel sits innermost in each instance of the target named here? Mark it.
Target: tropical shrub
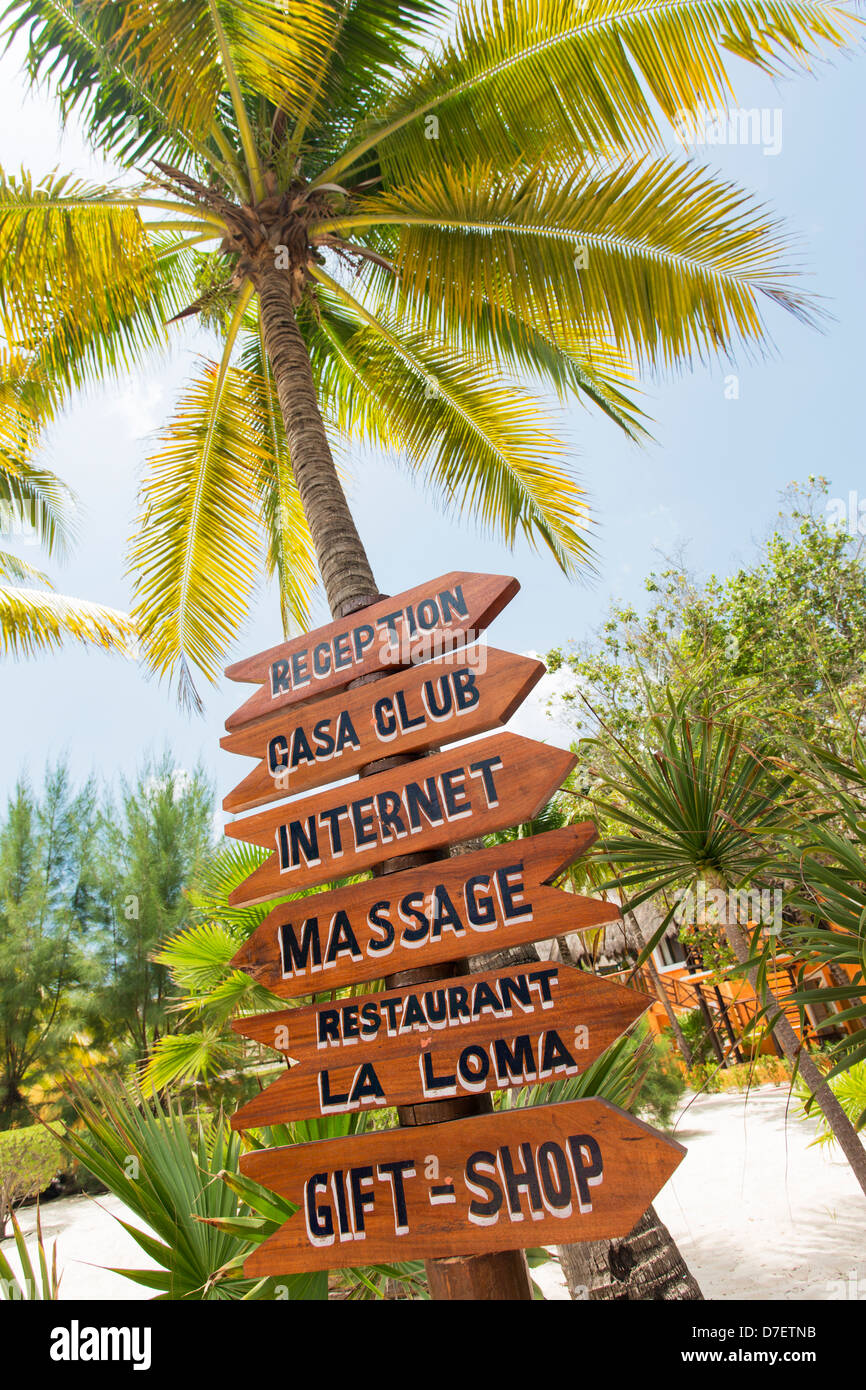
(178, 1173)
(849, 1088)
(29, 1159)
(662, 1084)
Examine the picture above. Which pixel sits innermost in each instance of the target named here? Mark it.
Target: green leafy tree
(157, 839)
(386, 213)
(783, 636)
(48, 895)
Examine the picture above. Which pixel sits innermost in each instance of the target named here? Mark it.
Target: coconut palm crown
(388, 213)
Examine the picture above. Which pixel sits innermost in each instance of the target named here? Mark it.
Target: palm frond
(33, 621)
(526, 77)
(667, 259)
(196, 552)
(82, 288)
(144, 76)
(481, 445)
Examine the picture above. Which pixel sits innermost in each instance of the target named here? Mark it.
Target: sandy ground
(756, 1212)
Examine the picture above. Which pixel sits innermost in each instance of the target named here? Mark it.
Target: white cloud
(138, 403)
(533, 720)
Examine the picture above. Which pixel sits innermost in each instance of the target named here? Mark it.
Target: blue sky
(711, 481)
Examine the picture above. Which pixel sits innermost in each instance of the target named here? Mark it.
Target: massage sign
(547, 1174)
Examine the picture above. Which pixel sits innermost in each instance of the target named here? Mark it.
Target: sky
(724, 452)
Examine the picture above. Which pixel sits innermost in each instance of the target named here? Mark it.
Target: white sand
(88, 1236)
(756, 1212)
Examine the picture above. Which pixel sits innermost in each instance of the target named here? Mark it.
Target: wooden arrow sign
(474, 789)
(457, 1037)
(309, 745)
(426, 622)
(545, 1175)
(475, 903)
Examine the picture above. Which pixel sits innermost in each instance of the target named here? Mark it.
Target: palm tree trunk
(350, 586)
(343, 564)
(645, 1266)
(843, 1130)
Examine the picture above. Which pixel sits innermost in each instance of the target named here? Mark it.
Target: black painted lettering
(362, 638)
(300, 672)
(443, 914)
(423, 803)
(278, 751)
(320, 1225)
(395, 1173)
(361, 1201)
(324, 739)
(466, 693)
(342, 939)
(480, 1179)
(364, 823)
(518, 1180)
(481, 911)
(328, 1026)
(280, 678)
(457, 803)
(388, 808)
(514, 1061)
(333, 816)
(298, 956)
(377, 918)
(587, 1166)
(485, 768)
(451, 602)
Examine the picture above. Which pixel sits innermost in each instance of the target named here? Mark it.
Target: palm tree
(383, 222)
(35, 503)
(699, 803)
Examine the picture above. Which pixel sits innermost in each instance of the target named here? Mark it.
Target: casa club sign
(305, 746)
(475, 789)
(578, 1170)
(549, 1174)
(483, 901)
(458, 1037)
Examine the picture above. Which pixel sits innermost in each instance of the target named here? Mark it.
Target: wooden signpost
(306, 746)
(483, 901)
(472, 1033)
(486, 1182)
(552, 1174)
(474, 789)
(434, 619)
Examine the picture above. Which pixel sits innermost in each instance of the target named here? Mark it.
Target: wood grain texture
(474, 789)
(388, 634)
(499, 895)
(307, 746)
(496, 1030)
(550, 1174)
